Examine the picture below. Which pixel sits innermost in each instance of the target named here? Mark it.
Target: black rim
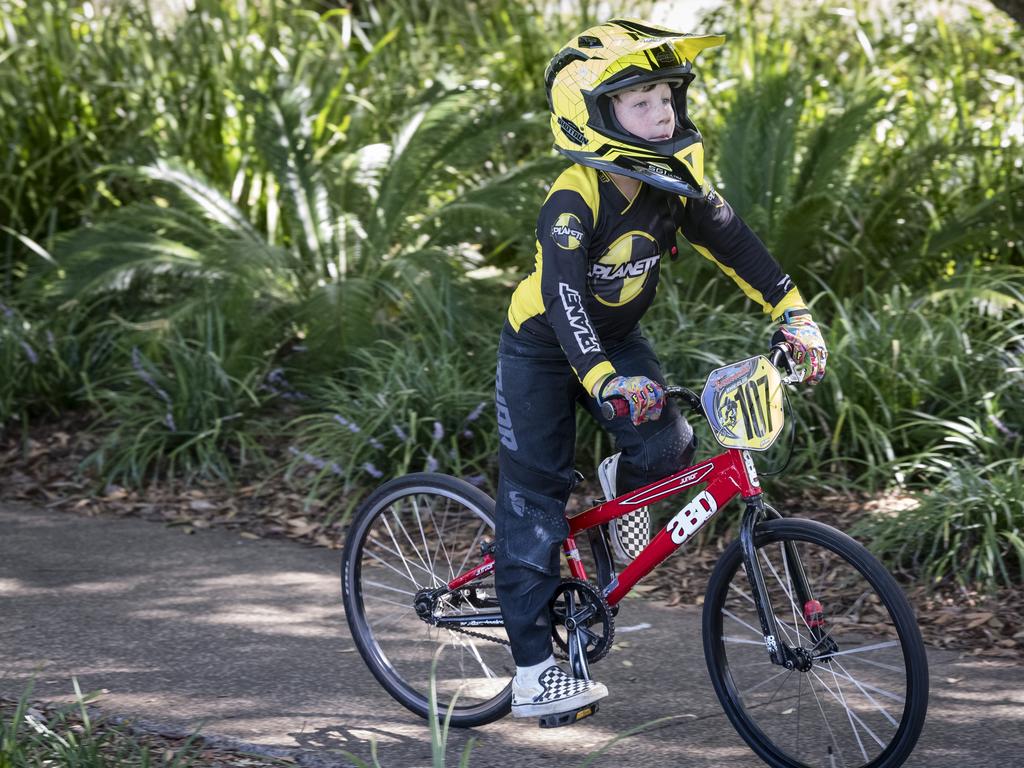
(904, 737)
(364, 635)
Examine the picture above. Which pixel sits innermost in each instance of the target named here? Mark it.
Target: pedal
(568, 718)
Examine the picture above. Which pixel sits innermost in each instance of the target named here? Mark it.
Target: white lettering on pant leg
(508, 438)
(692, 517)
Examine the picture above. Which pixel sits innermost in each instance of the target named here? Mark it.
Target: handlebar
(617, 405)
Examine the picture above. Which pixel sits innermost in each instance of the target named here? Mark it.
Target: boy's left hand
(806, 344)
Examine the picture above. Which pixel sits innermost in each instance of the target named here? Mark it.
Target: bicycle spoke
(737, 619)
(413, 541)
(743, 641)
(384, 600)
(386, 564)
(388, 588)
(828, 725)
(423, 535)
(472, 547)
(441, 542)
(845, 673)
(860, 649)
(789, 581)
(837, 712)
(879, 664)
(398, 550)
(415, 549)
(851, 715)
(767, 680)
(862, 687)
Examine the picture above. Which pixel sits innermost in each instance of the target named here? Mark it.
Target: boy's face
(648, 114)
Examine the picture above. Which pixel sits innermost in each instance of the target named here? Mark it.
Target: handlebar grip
(614, 406)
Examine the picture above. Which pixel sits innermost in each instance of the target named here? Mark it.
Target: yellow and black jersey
(599, 258)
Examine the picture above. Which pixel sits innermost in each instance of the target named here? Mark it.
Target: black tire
(877, 638)
(451, 517)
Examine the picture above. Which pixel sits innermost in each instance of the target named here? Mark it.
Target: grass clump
(72, 736)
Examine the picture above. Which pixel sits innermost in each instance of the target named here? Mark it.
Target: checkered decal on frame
(632, 531)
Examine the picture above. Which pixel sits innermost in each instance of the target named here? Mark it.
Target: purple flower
(29, 352)
(475, 480)
(431, 464)
(376, 444)
(475, 413)
(315, 461)
(438, 432)
(468, 434)
(276, 384)
(8, 312)
(352, 427)
(50, 340)
(147, 377)
(401, 435)
(1001, 426)
(372, 471)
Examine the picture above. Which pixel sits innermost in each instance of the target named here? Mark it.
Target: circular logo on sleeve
(567, 232)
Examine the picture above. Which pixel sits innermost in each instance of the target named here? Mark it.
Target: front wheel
(412, 535)
(858, 694)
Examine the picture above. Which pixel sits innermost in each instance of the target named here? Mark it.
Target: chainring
(593, 614)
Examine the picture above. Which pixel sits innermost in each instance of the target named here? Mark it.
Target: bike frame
(726, 476)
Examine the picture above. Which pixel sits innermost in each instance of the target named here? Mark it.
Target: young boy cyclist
(617, 95)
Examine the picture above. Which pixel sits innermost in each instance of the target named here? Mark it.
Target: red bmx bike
(811, 646)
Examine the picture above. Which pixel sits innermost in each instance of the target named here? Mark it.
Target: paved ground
(248, 640)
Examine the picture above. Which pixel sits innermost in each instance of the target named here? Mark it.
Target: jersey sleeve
(564, 229)
(719, 234)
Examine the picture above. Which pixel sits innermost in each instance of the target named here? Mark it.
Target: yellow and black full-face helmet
(620, 55)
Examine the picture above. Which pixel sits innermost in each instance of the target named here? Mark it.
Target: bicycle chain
(558, 652)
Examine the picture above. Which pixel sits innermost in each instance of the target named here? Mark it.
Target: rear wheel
(414, 534)
(858, 694)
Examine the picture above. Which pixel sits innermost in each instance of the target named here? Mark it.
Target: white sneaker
(554, 692)
(629, 533)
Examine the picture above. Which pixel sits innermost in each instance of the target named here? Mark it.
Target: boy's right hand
(645, 396)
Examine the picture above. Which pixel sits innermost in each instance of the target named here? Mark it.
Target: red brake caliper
(814, 614)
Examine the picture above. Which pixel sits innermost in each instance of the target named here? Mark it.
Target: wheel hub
(802, 660)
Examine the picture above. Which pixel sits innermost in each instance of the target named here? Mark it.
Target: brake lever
(794, 375)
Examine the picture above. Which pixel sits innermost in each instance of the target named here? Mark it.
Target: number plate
(743, 404)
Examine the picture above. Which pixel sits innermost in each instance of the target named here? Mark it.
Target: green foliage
(273, 192)
(45, 362)
(175, 409)
(969, 526)
(400, 408)
(71, 736)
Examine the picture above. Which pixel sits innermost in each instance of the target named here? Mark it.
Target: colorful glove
(645, 397)
(800, 332)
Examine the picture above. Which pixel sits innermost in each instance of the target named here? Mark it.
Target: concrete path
(247, 640)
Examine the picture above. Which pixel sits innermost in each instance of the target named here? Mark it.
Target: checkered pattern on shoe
(631, 533)
(558, 685)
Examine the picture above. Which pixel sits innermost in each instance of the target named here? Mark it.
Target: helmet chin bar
(661, 179)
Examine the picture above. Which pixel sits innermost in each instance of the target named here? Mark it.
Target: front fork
(781, 653)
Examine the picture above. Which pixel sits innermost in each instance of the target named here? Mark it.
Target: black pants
(537, 393)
